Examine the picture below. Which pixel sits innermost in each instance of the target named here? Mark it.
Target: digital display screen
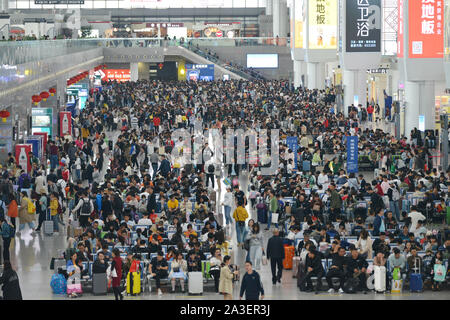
(262, 60)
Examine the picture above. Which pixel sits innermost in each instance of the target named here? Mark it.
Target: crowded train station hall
(224, 150)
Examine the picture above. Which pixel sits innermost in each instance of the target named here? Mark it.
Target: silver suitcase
(195, 283)
(48, 225)
(99, 283)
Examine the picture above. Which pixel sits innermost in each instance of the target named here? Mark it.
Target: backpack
(26, 182)
(351, 285)
(211, 168)
(31, 207)
(10, 233)
(2, 210)
(85, 208)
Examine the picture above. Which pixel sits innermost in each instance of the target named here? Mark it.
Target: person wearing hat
(42, 208)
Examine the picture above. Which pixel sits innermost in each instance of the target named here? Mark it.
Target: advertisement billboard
(299, 24)
(426, 28)
(352, 154)
(323, 17)
(363, 26)
(119, 75)
(199, 72)
(262, 60)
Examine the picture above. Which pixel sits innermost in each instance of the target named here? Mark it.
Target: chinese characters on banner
(322, 15)
(292, 143)
(426, 29)
(299, 24)
(352, 154)
(401, 18)
(363, 25)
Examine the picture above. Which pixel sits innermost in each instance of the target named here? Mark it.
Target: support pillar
(276, 18)
(298, 71)
(355, 88)
(283, 19)
(315, 75)
(134, 71)
(269, 7)
(420, 101)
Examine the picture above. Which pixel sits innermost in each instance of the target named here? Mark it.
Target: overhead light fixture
(128, 29)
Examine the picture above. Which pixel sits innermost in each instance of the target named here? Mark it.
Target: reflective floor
(31, 255)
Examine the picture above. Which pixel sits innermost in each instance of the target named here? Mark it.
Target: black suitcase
(262, 215)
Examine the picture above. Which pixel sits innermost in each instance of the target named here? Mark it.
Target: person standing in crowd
(251, 284)
(256, 246)
(275, 252)
(42, 208)
(10, 282)
(26, 216)
(227, 205)
(7, 232)
(240, 215)
(226, 279)
(85, 207)
(116, 265)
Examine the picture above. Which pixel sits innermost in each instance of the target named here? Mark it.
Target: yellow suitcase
(134, 283)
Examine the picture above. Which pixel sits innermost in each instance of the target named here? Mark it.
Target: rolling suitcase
(48, 225)
(415, 280)
(289, 252)
(60, 263)
(380, 279)
(195, 283)
(262, 213)
(134, 283)
(99, 284)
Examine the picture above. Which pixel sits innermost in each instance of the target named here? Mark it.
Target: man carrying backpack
(7, 233)
(86, 207)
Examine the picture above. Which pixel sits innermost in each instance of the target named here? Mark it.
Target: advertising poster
(299, 24)
(65, 123)
(322, 16)
(119, 75)
(363, 26)
(426, 29)
(292, 143)
(352, 154)
(400, 40)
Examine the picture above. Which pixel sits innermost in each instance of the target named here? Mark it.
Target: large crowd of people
(117, 171)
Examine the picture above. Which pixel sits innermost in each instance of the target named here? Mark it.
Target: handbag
(275, 217)
(247, 244)
(439, 273)
(264, 260)
(396, 274)
(74, 286)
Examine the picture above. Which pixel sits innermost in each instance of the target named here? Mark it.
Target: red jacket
(369, 109)
(156, 121)
(118, 267)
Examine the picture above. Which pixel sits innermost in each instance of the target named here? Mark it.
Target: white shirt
(322, 179)
(415, 217)
(145, 222)
(228, 199)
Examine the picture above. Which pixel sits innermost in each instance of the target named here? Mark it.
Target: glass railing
(19, 52)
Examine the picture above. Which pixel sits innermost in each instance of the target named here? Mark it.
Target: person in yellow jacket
(54, 204)
(240, 215)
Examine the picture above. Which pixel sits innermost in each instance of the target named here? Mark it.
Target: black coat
(315, 263)
(11, 287)
(275, 248)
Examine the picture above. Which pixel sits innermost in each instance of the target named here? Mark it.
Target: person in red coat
(370, 112)
(117, 266)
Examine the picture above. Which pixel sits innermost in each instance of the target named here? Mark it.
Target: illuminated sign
(299, 24)
(322, 16)
(426, 29)
(119, 75)
(400, 41)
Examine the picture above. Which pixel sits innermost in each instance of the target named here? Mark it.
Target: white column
(355, 88)
(283, 19)
(276, 18)
(134, 71)
(315, 75)
(298, 73)
(269, 7)
(420, 101)
(4, 6)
